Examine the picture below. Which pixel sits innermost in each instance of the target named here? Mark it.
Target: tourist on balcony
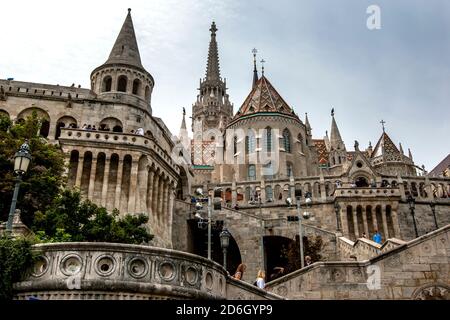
(84, 126)
(260, 279)
(89, 127)
(140, 131)
(364, 235)
(308, 260)
(377, 237)
(94, 128)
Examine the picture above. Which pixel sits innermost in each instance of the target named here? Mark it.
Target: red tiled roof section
(322, 152)
(441, 167)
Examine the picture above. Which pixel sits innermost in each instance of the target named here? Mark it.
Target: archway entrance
(198, 244)
(361, 182)
(275, 252)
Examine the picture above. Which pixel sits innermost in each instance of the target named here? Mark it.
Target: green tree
(71, 219)
(44, 179)
(16, 258)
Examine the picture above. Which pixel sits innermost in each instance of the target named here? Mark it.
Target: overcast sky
(320, 54)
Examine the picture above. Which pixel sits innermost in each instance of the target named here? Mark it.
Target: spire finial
(332, 112)
(129, 10)
(255, 71)
(382, 124)
(213, 29)
(262, 68)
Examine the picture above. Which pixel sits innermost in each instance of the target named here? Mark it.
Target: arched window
(287, 140)
(122, 84)
(107, 84)
(251, 172)
(117, 129)
(268, 139)
(268, 171)
(269, 194)
(250, 142)
(235, 144)
(147, 93)
(136, 86)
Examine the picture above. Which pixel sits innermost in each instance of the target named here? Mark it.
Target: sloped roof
(441, 167)
(385, 147)
(321, 149)
(264, 98)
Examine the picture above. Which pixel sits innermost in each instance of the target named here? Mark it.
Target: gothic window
(269, 194)
(300, 142)
(250, 142)
(289, 169)
(117, 129)
(122, 84)
(269, 139)
(251, 172)
(107, 84)
(268, 171)
(136, 86)
(287, 140)
(235, 144)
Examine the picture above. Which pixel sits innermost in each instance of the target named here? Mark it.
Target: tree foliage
(71, 219)
(312, 246)
(44, 178)
(16, 258)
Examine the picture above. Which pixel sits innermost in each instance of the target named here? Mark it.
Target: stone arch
(378, 214)
(125, 185)
(4, 113)
(300, 142)
(350, 224)
(422, 190)
(287, 191)
(370, 223)
(147, 93)
(86, 173)
(111, 123)
(414, 190)
(99, 176)
(359, 220)
(268, 134)
(278, 193)
(289, 169)
(182, 185)
(141, 194)
(73, 167)
(317, 190)
(107, 84)
(42, 114)
(269, 193)
(112, 181)
(137, 84)
(328, 188)
(65, 122)
(122, 83)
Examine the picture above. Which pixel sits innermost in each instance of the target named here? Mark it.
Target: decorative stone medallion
(138, 268)
(435, 291)
(40, 266)
(71, 264)
(167, 271)
(105, 265)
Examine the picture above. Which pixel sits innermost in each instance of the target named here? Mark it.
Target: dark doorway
(275, 251)
(361, 182)
(198, 244)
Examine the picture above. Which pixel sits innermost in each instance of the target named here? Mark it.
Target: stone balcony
(80, 136)
(120, 271)
(343, 192)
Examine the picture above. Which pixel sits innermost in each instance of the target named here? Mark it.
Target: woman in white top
(260, 279)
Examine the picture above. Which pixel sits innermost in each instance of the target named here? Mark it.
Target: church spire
(183, 122)
(212, 68)
(335, 136)
(255, 71)
(125, 49)
(308, 126)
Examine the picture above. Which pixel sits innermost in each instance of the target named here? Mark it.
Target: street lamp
(261, 225)
(337, 208)
(306, 215)
(412, 205)
(22, 160)
(433, 209)
(225, 243)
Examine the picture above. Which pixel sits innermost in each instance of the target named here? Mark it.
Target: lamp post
(337, 208)
(412, 204)
(306, 216)
(261, 221)
(22, 159)
(209, 226)
(224, 243)
(433, 209)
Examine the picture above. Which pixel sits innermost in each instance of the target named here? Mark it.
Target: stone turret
(338, 153)
(122, 77)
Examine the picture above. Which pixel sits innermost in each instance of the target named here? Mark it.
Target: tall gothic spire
(213, 69)
(125, 49)
(308, 126)
(335, 136)
(255, 71)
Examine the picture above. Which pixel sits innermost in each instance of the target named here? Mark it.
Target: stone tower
(212, 110)
(122, 77)
(337, 152)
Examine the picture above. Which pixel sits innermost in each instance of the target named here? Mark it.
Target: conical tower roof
(125, 49)
(385, 147)
(212, 67)
(264, 99)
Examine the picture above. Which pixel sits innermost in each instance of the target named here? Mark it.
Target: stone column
(374, 218)
(160, 199)
(79, 172)
(170, 212)
(344, 223)
(106, 180)
(155, 195)
(263, 191)
(133, 187)
(394, 216)
(150, 191)
(385, 226)
(92, 178)
(165, 211)
(355, 222)
(119, 183)
(233, 194)
(141, 200)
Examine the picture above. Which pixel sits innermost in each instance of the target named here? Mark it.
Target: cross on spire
(382, 124)
(262, 68)
(213, 29)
